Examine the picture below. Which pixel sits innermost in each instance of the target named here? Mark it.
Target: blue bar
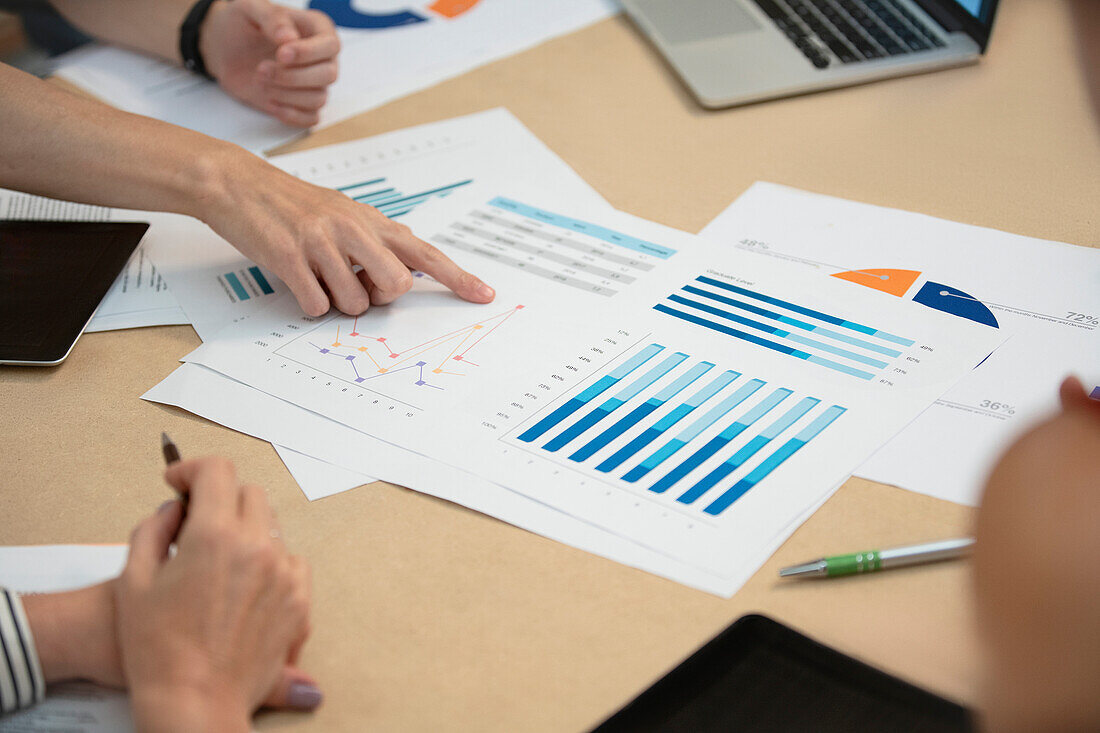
(235, 283)
(625, 395)
(693, 431)
(360, 185)
(398, 213)
(788, 321)
(258, 276)
(668, 421)
(852, 325)
(641, 412)
(773, 461)
(748, 450)
(718, 442)
(601, 385)
(576, 225)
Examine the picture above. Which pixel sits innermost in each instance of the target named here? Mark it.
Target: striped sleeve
(21, 682)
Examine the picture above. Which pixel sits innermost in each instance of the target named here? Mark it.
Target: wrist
(209, 48)
(161, 708)
(74, 634)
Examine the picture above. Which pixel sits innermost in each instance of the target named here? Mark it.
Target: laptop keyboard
(852, 30)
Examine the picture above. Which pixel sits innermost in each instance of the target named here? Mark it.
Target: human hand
(311, 237)
(279, 60)
(208, 634)
(74, 634)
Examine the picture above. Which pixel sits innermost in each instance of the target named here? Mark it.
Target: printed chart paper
(692, 398)
(397, 173)
(1044, 295)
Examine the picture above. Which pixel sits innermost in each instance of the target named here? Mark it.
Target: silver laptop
(732, 52)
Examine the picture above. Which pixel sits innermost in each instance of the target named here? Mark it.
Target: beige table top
(429, 616)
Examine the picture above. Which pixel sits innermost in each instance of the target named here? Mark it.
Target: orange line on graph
(506, 317)
(447, 358)
(452, 8)
(894, 282)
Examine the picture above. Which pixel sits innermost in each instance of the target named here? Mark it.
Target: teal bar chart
(713, 428)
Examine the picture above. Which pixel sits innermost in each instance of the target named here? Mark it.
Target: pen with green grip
(873, 560)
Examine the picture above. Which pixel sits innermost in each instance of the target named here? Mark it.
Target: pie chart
(929, 293)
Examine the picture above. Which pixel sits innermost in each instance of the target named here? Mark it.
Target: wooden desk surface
(429, 616)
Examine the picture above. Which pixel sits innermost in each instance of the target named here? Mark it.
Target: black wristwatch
(189, 38)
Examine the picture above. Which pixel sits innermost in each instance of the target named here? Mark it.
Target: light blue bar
(625, 395)
(790, 417)
(828, 348)
(683, 381)
(894, 339)
(591, 392)
(712, 389)
(773, 461)
(839, 367)
(640, 412)
(576, 225)
(718, 442)
(235, 283)
(634, 362)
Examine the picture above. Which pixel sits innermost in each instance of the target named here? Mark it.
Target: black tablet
(761, 676)
(53, 275)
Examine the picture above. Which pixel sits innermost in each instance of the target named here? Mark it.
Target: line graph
(365, 350)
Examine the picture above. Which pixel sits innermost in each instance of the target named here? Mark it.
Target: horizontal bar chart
(718, 455)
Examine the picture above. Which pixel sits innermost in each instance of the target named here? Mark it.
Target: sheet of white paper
(148, 86)
(1045, 295)
(385, 54)
(582, 304)
(240, 407)
(75, 707)
(318, 478)
(397, 172)
(138, 297)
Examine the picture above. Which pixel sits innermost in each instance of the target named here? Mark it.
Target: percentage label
(994, 406)
(1082, 318)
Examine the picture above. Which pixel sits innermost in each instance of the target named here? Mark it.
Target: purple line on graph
(359, 379)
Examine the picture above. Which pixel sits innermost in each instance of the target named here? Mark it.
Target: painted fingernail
(166, 506)
(303, 696)
(486, 292)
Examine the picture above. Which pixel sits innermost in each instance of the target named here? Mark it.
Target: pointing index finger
(419, 255)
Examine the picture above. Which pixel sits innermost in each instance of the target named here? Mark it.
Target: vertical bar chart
(713, 459)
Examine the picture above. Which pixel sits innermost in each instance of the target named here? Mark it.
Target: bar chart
(389, 200)
(682, 430)
(781, 326)
(245, 284)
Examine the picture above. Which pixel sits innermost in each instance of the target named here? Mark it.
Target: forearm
(74, 634)
(61, 145)
(151, 26)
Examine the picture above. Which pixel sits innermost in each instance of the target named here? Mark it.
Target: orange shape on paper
(452, 8)
(894, 282)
